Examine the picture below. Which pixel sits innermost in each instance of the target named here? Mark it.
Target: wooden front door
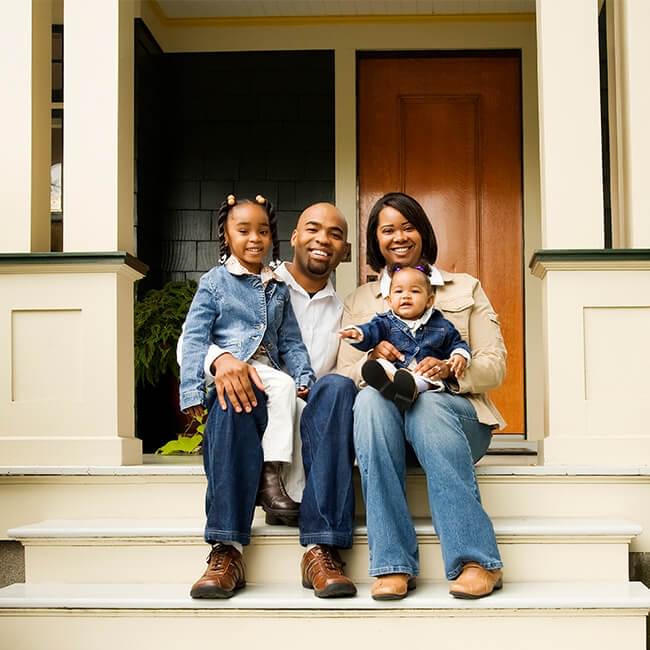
(447, 130)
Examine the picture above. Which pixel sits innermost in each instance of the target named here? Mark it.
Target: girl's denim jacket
(238, 314)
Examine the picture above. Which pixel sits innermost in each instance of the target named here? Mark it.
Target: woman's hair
(222, 216)
(413, 212)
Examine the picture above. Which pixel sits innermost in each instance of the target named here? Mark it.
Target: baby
(417, 330)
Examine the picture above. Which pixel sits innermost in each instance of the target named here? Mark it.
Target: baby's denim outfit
(437, 337)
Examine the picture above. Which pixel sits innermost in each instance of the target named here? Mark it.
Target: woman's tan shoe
(393, 586)
(476, 582)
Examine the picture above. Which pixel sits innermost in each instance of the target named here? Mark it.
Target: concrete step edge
(427, 596)
(542, 527)
(188, 470)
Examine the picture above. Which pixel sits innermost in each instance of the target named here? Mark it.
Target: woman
(448, 431)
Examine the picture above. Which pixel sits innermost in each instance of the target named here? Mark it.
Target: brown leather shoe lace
(330, 558)
(217, 557)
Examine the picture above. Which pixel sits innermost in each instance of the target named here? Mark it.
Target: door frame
(362, 55)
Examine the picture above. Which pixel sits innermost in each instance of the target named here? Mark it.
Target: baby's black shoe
(374, 375)
(406, 392)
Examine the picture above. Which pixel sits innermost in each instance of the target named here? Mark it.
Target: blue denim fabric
(232, 457)
(327, 508)
(447, 439)
(238, 313)
(436, 338)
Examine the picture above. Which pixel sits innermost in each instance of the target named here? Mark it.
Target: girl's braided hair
(222, 215)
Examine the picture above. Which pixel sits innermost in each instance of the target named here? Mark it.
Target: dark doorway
(211, 124)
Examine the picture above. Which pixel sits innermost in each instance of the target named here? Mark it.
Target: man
(237, 420)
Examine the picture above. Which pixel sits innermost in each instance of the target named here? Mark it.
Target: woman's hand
(433, 368)
(302, 392)
(385, 350)
(233, 377)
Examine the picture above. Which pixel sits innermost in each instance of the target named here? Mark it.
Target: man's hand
(386, 350)
(233, 377)
(350, 333)
(433, 368)
(457, 365)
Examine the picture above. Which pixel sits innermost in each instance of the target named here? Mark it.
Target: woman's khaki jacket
(461, 300)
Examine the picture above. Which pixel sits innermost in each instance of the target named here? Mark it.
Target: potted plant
(159, 318)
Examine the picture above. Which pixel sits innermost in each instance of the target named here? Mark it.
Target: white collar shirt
(235, 267)
(414, 324)
(319, 319)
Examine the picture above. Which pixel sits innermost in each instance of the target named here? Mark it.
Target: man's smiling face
(319, 240)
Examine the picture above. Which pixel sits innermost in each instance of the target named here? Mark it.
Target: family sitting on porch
(285, 392)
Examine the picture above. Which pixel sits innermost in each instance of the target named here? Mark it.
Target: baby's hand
(302, 392)
(350, 333)
(457, 365)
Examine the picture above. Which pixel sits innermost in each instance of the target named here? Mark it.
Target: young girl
(241, 308)
(416, 329)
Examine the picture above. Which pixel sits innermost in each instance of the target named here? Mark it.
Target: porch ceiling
(175, 9)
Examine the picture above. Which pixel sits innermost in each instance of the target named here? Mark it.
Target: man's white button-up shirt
(319, 319)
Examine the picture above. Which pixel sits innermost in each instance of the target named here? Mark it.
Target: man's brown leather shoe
(393, 586)
(279, 507)
(224, 575)
(476, 582)
(322, 571)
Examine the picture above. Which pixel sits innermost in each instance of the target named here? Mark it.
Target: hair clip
(421, 267)
(260, 199)
(231, 200)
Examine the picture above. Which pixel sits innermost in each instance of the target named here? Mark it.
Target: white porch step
(565, 616)
(173, 551)
(32, 494)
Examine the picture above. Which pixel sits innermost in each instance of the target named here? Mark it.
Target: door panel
(447, 130)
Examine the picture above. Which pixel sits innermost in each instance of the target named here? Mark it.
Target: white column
(569, 111)
(629, 87)
(98, 125)
(25, 154)
(345, 128)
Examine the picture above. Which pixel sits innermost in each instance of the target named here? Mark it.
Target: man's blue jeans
(232, 457)
(327, 509)
(447, 439)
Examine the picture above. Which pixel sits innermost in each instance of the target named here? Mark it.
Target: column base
(72, 450)
(596, 313)
(611, 452)
(66, 359)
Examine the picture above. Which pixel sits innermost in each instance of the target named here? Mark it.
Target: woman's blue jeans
(447, 439)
